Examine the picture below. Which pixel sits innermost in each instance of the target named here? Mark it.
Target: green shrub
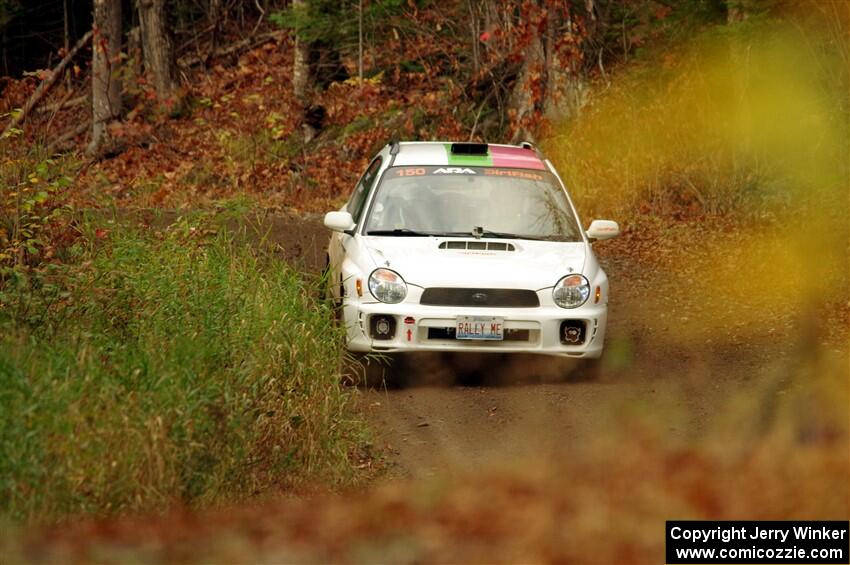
(180, 365)
(34, 211)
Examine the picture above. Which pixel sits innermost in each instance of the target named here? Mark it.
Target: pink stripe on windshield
(515, 158)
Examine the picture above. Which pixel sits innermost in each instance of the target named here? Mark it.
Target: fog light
(382, 327)
(573, 332)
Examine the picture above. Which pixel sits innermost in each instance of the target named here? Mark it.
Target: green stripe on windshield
(467, 160)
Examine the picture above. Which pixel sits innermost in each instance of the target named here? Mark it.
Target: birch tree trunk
(158, 50)
(106, 58)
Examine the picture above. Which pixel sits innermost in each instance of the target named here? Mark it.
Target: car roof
(436, 153)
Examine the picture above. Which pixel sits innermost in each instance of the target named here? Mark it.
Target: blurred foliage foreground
(743, 138)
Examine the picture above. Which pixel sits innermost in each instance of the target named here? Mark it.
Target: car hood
(532, 265)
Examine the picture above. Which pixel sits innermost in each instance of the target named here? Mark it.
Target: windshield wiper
(403, 232)
(506, 235)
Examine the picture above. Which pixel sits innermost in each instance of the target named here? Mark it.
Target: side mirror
(603, 229)
(339, 221)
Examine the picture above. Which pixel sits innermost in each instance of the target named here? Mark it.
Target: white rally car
(467, 247)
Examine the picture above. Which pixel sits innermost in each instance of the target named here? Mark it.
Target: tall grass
(180, 365)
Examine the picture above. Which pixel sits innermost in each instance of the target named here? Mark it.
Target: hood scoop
(477, 246)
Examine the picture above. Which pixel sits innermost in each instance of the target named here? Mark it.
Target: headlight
(571, 291)
(387, 286)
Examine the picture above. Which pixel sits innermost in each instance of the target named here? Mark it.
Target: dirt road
(457, 413)
(437, 430)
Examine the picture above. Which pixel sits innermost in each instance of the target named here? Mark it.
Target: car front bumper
(430, 328)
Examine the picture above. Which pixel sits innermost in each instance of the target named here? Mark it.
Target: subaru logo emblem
(479, 298)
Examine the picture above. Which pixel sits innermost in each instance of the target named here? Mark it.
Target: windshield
(471, 201)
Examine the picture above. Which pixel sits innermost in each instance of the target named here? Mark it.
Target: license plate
(476, 327)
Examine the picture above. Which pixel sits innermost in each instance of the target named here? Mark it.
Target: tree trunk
(523, 105)
(360, 43)
(158, 50)
(66, 19)
(215, 22)
(134, 64)
(565, 88)
(301, 63)
(106, 58)
(474, 30)
(552, 60)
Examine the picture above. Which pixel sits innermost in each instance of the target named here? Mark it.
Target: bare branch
(48, 83)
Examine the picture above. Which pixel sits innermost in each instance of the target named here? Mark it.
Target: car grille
(480, 297)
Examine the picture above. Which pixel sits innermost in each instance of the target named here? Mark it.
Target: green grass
(182, 365)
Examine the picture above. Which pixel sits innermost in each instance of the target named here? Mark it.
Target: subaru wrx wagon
(467, 247)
